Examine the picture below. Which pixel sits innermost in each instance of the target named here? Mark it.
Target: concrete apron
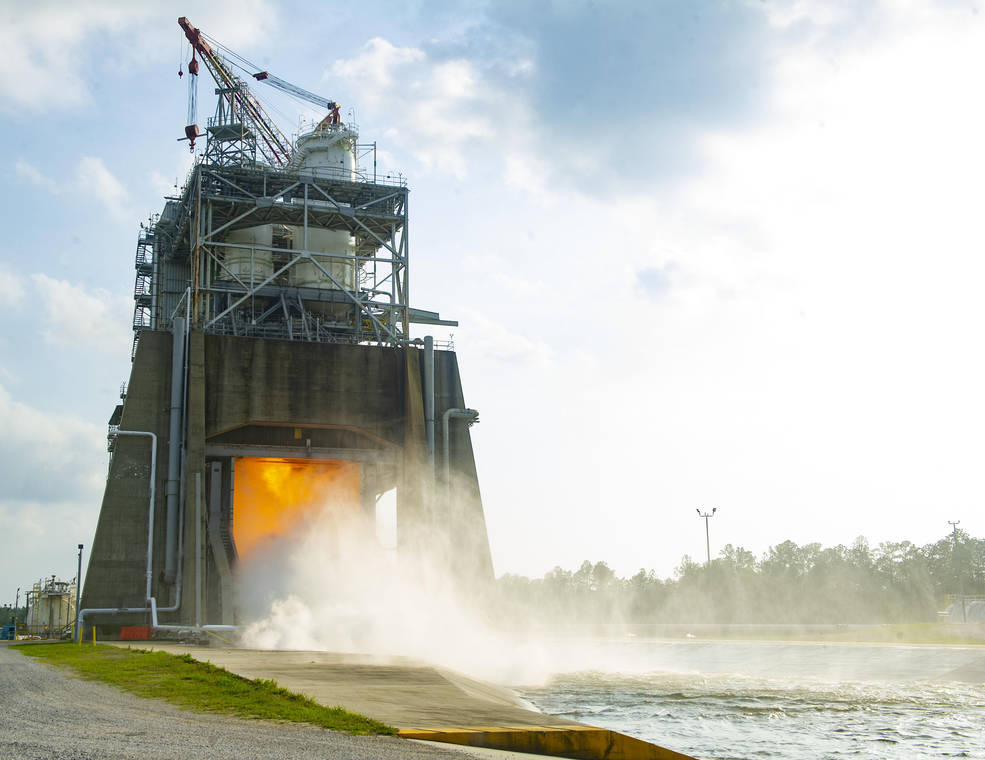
(425, 702)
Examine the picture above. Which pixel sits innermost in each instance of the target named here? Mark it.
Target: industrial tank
(50, 608)
(328, 151)
(248, 264)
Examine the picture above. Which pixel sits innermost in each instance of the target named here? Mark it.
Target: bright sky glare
(703, 253)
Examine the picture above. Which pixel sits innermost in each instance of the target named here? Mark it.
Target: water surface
(780, 700)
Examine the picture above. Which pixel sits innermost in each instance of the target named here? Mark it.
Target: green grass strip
(193, 685)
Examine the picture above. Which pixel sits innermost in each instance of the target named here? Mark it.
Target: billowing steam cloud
(325, 582)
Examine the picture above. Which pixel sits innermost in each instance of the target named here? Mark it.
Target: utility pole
(78, 593)
(707, 515)
(954, 532)
(17, 601)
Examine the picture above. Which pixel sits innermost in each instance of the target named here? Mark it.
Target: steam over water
(766, 700)
(326, 583)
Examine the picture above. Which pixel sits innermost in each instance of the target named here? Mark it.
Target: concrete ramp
(427, 703)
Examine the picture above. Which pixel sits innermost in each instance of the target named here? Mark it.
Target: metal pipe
(150, 539)
(154, 609)
(210, 627)
(174, 448)
(472, 415)
(198, 548)
(78, 589)
(429, 401)
(103, 611)
(181, 562)
(150, 504)
(181, 480)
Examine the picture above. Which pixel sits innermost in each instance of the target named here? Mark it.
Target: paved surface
(49, 715)
(398, 691)
(972, 673)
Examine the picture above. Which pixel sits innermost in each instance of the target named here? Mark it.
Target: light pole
(78, 593)
(707, 515)
(957, 567)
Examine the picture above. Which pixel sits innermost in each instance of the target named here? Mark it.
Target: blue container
(7, 633)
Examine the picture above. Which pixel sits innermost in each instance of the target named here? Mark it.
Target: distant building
(50, 608)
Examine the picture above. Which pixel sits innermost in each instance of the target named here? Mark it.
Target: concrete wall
(462, 513)
(291, 383)
(117, 561)
(249, 390)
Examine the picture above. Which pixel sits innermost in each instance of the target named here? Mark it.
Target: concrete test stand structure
(272, 323)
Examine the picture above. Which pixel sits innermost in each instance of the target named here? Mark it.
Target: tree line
(895, 582)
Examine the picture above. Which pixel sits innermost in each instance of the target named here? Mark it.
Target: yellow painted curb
(579, 742)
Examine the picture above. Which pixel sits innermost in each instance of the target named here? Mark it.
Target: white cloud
(376, 66)
(36, 177)
(11, 287)
(48, 458)
(811, 357)
(92, 176)
(76, 318)
(807, 365)
(91, 180)
(52, 471)
(55, 50)
(495, 342)
(436, 109)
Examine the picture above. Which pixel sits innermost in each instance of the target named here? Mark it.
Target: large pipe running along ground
(174, 448)
(470, 414)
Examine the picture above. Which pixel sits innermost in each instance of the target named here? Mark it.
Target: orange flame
(275, 497)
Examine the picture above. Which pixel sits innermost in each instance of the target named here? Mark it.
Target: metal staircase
(143, 287)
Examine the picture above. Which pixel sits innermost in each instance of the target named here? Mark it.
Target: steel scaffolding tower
(183, 253)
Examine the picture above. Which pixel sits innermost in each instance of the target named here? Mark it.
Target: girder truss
(189, 247)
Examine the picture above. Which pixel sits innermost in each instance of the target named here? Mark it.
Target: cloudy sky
(721, 253)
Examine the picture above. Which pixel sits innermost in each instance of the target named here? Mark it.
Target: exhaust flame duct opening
(274, 498)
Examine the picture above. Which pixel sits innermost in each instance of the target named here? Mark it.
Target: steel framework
(184, 249)
(231, 141)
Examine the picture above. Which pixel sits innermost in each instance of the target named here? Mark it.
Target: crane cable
(220, 60)
(251, 69)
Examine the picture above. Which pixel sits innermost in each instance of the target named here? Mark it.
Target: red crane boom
(273, 144)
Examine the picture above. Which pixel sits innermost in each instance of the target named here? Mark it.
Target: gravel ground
(47, 714)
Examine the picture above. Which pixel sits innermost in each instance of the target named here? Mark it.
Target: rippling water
(765, 700)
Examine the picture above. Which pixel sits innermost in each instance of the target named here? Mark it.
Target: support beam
(380, 456)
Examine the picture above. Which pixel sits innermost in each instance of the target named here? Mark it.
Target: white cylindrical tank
(51, 608)
(307, 274)
(248, 263)
(329, 151)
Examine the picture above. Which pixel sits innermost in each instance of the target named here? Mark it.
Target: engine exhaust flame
(274, 498)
